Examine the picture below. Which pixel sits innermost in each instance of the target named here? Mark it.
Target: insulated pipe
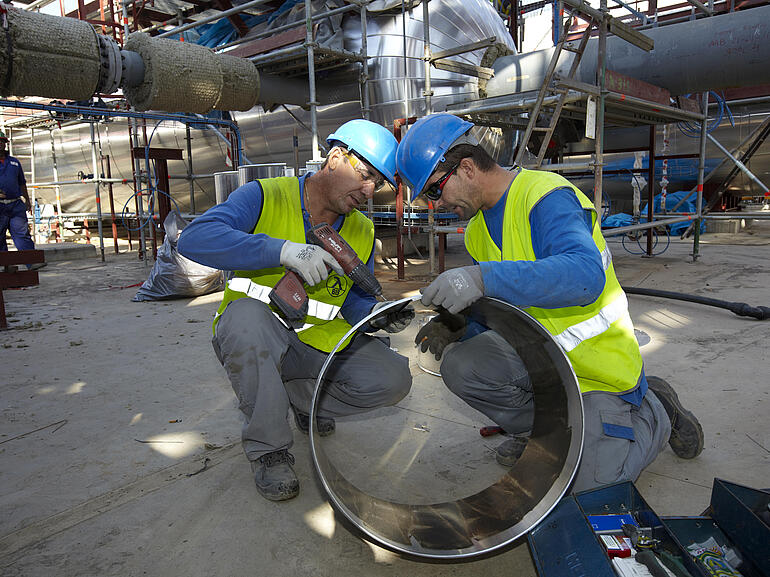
(506, 510)
(180, 76)
(724, 51)
(49, 56)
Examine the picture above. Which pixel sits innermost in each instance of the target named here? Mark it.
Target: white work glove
(455, 289)
(392, 321)
(308, 261)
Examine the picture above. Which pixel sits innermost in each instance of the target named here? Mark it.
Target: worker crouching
(536, 244)
(260, 233)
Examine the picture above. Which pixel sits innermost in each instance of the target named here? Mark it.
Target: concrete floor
(110, 409)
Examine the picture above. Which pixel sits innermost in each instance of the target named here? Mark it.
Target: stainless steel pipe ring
(506, 510)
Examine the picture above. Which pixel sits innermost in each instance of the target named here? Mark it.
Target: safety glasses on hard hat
(434, 191)
(365, 171)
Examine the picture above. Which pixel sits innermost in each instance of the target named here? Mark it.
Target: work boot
(510, 450)
(686, 433)
(325, 426)
(274, 476)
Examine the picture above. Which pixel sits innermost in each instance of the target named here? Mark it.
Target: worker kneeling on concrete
(272, 364)
(537, 245)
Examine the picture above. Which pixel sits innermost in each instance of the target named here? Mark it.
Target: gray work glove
(455, 289)
(439, 332)
(308, 261)
(392, 321)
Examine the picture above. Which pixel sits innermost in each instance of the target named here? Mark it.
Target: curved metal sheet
(498, 515)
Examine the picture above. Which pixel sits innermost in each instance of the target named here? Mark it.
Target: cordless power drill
(289, 294)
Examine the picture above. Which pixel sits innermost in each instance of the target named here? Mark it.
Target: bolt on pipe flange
(506, 510)
(111, 72)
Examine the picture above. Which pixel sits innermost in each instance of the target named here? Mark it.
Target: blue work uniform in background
(13, 210)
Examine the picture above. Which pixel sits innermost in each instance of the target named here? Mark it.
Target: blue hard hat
(372, 142)
(424, 145)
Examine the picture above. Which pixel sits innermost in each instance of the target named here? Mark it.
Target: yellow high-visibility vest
(597, 338)
(281, 217)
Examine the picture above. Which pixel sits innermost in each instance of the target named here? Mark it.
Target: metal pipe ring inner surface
(506, 510)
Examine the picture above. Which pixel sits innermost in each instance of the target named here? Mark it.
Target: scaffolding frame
(574, 96)
(579, 99)
(139, 176)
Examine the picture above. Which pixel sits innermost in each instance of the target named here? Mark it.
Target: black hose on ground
(740, 309)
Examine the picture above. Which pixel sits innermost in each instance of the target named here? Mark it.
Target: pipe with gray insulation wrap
(53, 57)
(49, 56)
(186, 77)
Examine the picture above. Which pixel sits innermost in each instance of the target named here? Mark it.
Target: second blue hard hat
(424, 145)
(372, 142)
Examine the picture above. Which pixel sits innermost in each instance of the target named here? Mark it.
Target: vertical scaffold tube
(310, 43)
(98, 181)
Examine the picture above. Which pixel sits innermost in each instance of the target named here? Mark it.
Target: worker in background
(14, 203)
(536, 244)
(259, 233)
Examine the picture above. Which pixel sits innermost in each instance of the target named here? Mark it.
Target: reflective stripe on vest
(606, 257)
(281, 218)
(323, 311)
(596, 325)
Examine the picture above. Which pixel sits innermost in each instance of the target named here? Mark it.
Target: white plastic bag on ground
(175, 276)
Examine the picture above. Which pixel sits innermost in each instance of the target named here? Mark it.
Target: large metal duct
(725, 51)
(506, 510)
(224, 183)
(249, 172)
(396, 83)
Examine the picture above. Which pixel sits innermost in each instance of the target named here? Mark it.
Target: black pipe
(740, 309)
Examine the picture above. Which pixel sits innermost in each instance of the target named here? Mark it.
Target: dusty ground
(111, 408)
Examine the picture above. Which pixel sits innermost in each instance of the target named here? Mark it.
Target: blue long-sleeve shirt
(222, 238)
(11, 177)
(568, 270)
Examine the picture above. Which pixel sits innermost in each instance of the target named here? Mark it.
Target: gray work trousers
(270, 369)
(486, 373)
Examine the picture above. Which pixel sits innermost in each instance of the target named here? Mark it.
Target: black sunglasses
(433, 192)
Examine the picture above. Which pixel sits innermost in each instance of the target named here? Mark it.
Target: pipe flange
(111, 65)
(133, 68)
